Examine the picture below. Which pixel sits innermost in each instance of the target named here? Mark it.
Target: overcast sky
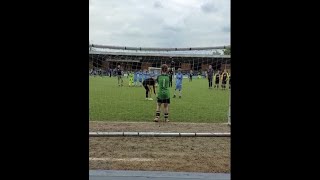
(159, 23)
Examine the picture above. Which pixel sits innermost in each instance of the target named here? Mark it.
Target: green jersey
(163, 86)
(130, 75)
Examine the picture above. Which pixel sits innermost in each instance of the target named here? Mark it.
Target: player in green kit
(163, 93)
(130, 79)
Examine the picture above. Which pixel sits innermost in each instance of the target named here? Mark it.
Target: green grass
(108, 102)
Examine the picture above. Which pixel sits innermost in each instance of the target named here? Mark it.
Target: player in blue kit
(179, 78)
(135, 78)
(140, 77)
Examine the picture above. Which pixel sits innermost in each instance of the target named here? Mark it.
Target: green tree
(227, 51)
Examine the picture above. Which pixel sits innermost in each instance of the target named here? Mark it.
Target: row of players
(223, 77)
(136, 79)
(143, 74)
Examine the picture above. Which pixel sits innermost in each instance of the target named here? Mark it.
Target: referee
(119, 73)
(146, 84)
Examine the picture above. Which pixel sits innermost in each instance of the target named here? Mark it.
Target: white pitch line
(156, 134)
(122, 159)
(175, 123)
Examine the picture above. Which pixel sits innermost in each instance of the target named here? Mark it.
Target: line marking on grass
(122, 159)
(123, 122)
(158, 134)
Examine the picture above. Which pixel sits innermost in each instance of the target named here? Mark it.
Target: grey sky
(159, 23)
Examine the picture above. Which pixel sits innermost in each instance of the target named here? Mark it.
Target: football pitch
(199, 104)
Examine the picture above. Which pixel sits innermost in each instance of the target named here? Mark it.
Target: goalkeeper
(163, 93)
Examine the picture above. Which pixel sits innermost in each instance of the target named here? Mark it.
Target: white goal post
(229, 111)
